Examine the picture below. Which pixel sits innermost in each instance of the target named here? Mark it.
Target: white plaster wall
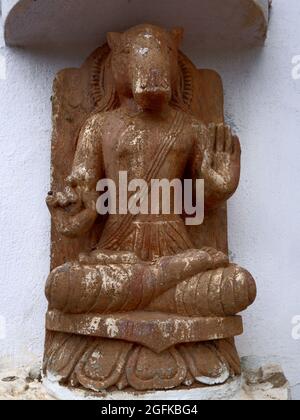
(262, 104)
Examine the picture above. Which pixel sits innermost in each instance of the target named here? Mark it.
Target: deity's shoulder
(198, 128)
(94, 125)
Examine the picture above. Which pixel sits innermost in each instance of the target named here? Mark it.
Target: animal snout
(152, 89)
(152, 82)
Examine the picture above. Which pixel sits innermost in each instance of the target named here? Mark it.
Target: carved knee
(72, 287)
(224, 292)
(238, 290)
(221, 292)
(75, 288)
(57, 287)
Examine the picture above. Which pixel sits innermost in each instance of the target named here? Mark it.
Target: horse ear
(114, 39)
(177, 35)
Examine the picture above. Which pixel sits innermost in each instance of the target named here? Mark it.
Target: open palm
(221, 161)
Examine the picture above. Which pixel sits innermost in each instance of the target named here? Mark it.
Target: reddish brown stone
(154, 330)
(141, 302)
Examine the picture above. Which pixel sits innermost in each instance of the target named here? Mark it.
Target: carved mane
(103, 90)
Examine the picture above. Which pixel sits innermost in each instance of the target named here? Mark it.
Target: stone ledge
(157, 331)
(208, 23)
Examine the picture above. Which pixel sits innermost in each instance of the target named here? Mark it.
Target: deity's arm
(88, 160)
(74, 210)
(216, 159)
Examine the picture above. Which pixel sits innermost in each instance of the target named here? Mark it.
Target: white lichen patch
(144, 51)
(166, 329)
(91, 279)
(97, 354)
(114, 280)
(219, 379)
(82, 173)
(112, 327)
(94, 325)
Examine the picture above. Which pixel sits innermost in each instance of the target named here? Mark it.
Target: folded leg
(108, 283)
(222, 292)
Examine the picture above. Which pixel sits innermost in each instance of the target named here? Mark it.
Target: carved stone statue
(141, 302)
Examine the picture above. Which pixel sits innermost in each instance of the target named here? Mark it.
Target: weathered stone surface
(141, 301)
(262, 388)
(156, 331)
(259, 382)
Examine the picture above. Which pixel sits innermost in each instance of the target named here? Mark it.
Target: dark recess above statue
(84, 23)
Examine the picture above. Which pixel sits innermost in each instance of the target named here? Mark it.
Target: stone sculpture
(141, 302)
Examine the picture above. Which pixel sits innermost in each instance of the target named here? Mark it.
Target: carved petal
(229, 352)
(65, 352)
(103, 364)
(205, 363)
(147, 370)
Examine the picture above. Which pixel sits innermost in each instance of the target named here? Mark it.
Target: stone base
(261, 381)
(266, 382)
(99, 364)
(229, 391)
